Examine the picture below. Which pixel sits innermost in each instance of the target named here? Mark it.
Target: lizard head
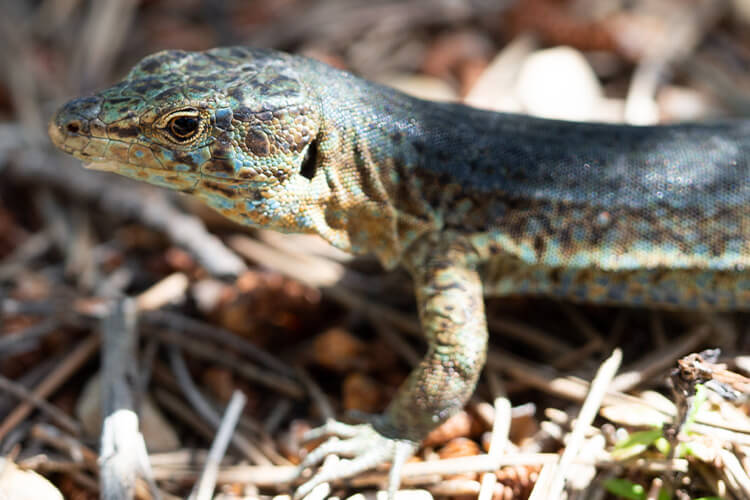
(235, 127)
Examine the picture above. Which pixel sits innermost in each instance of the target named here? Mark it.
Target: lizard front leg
(451, 310)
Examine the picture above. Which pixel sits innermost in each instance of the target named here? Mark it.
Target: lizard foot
(367, 447)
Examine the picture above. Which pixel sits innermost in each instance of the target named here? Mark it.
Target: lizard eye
(183, 127)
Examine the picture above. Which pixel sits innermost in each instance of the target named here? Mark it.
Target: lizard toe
(331, 428)
(368, 448)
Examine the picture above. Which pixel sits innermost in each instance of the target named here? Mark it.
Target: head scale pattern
(231, 125)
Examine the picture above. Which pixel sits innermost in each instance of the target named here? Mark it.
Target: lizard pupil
(183, 127)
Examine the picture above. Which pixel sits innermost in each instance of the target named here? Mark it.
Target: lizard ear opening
(310, 163)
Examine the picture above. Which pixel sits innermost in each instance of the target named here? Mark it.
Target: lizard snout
(74, 124)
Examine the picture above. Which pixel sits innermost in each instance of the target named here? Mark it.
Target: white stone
(422, 86)
(559, 83)
(157, 432)
(18, 484)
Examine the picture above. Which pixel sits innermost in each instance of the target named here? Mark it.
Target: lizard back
(589, 211)
(552, 192)
(586, 194)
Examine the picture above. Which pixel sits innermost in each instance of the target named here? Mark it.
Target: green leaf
(664, 494)
(640, 437)
(625, 489)
(635, 444)
(701, 395)
(662, 445)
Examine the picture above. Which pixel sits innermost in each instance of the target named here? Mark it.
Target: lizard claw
(368, 448)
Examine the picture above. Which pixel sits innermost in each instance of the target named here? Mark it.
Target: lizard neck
(367, 199)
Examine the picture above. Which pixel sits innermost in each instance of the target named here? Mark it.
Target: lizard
(470, 202)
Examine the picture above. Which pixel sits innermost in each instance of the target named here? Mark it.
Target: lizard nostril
(73, 127)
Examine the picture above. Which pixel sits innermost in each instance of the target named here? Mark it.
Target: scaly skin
(469, 201)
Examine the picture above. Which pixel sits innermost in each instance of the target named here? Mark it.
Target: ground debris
(290, 332)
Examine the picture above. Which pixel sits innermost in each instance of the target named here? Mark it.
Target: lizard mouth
(99, 164)
(129, 159)
(95, 154)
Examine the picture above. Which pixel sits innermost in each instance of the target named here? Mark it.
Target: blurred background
(223, 308)
(650, 60)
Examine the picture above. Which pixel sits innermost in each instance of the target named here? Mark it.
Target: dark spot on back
(583, 276)
(565, 236)
(657, 275)
(717, 247)
(539, 246)
(555, 274)
(597, 232)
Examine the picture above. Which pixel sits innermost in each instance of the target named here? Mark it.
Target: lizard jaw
(100, 165)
